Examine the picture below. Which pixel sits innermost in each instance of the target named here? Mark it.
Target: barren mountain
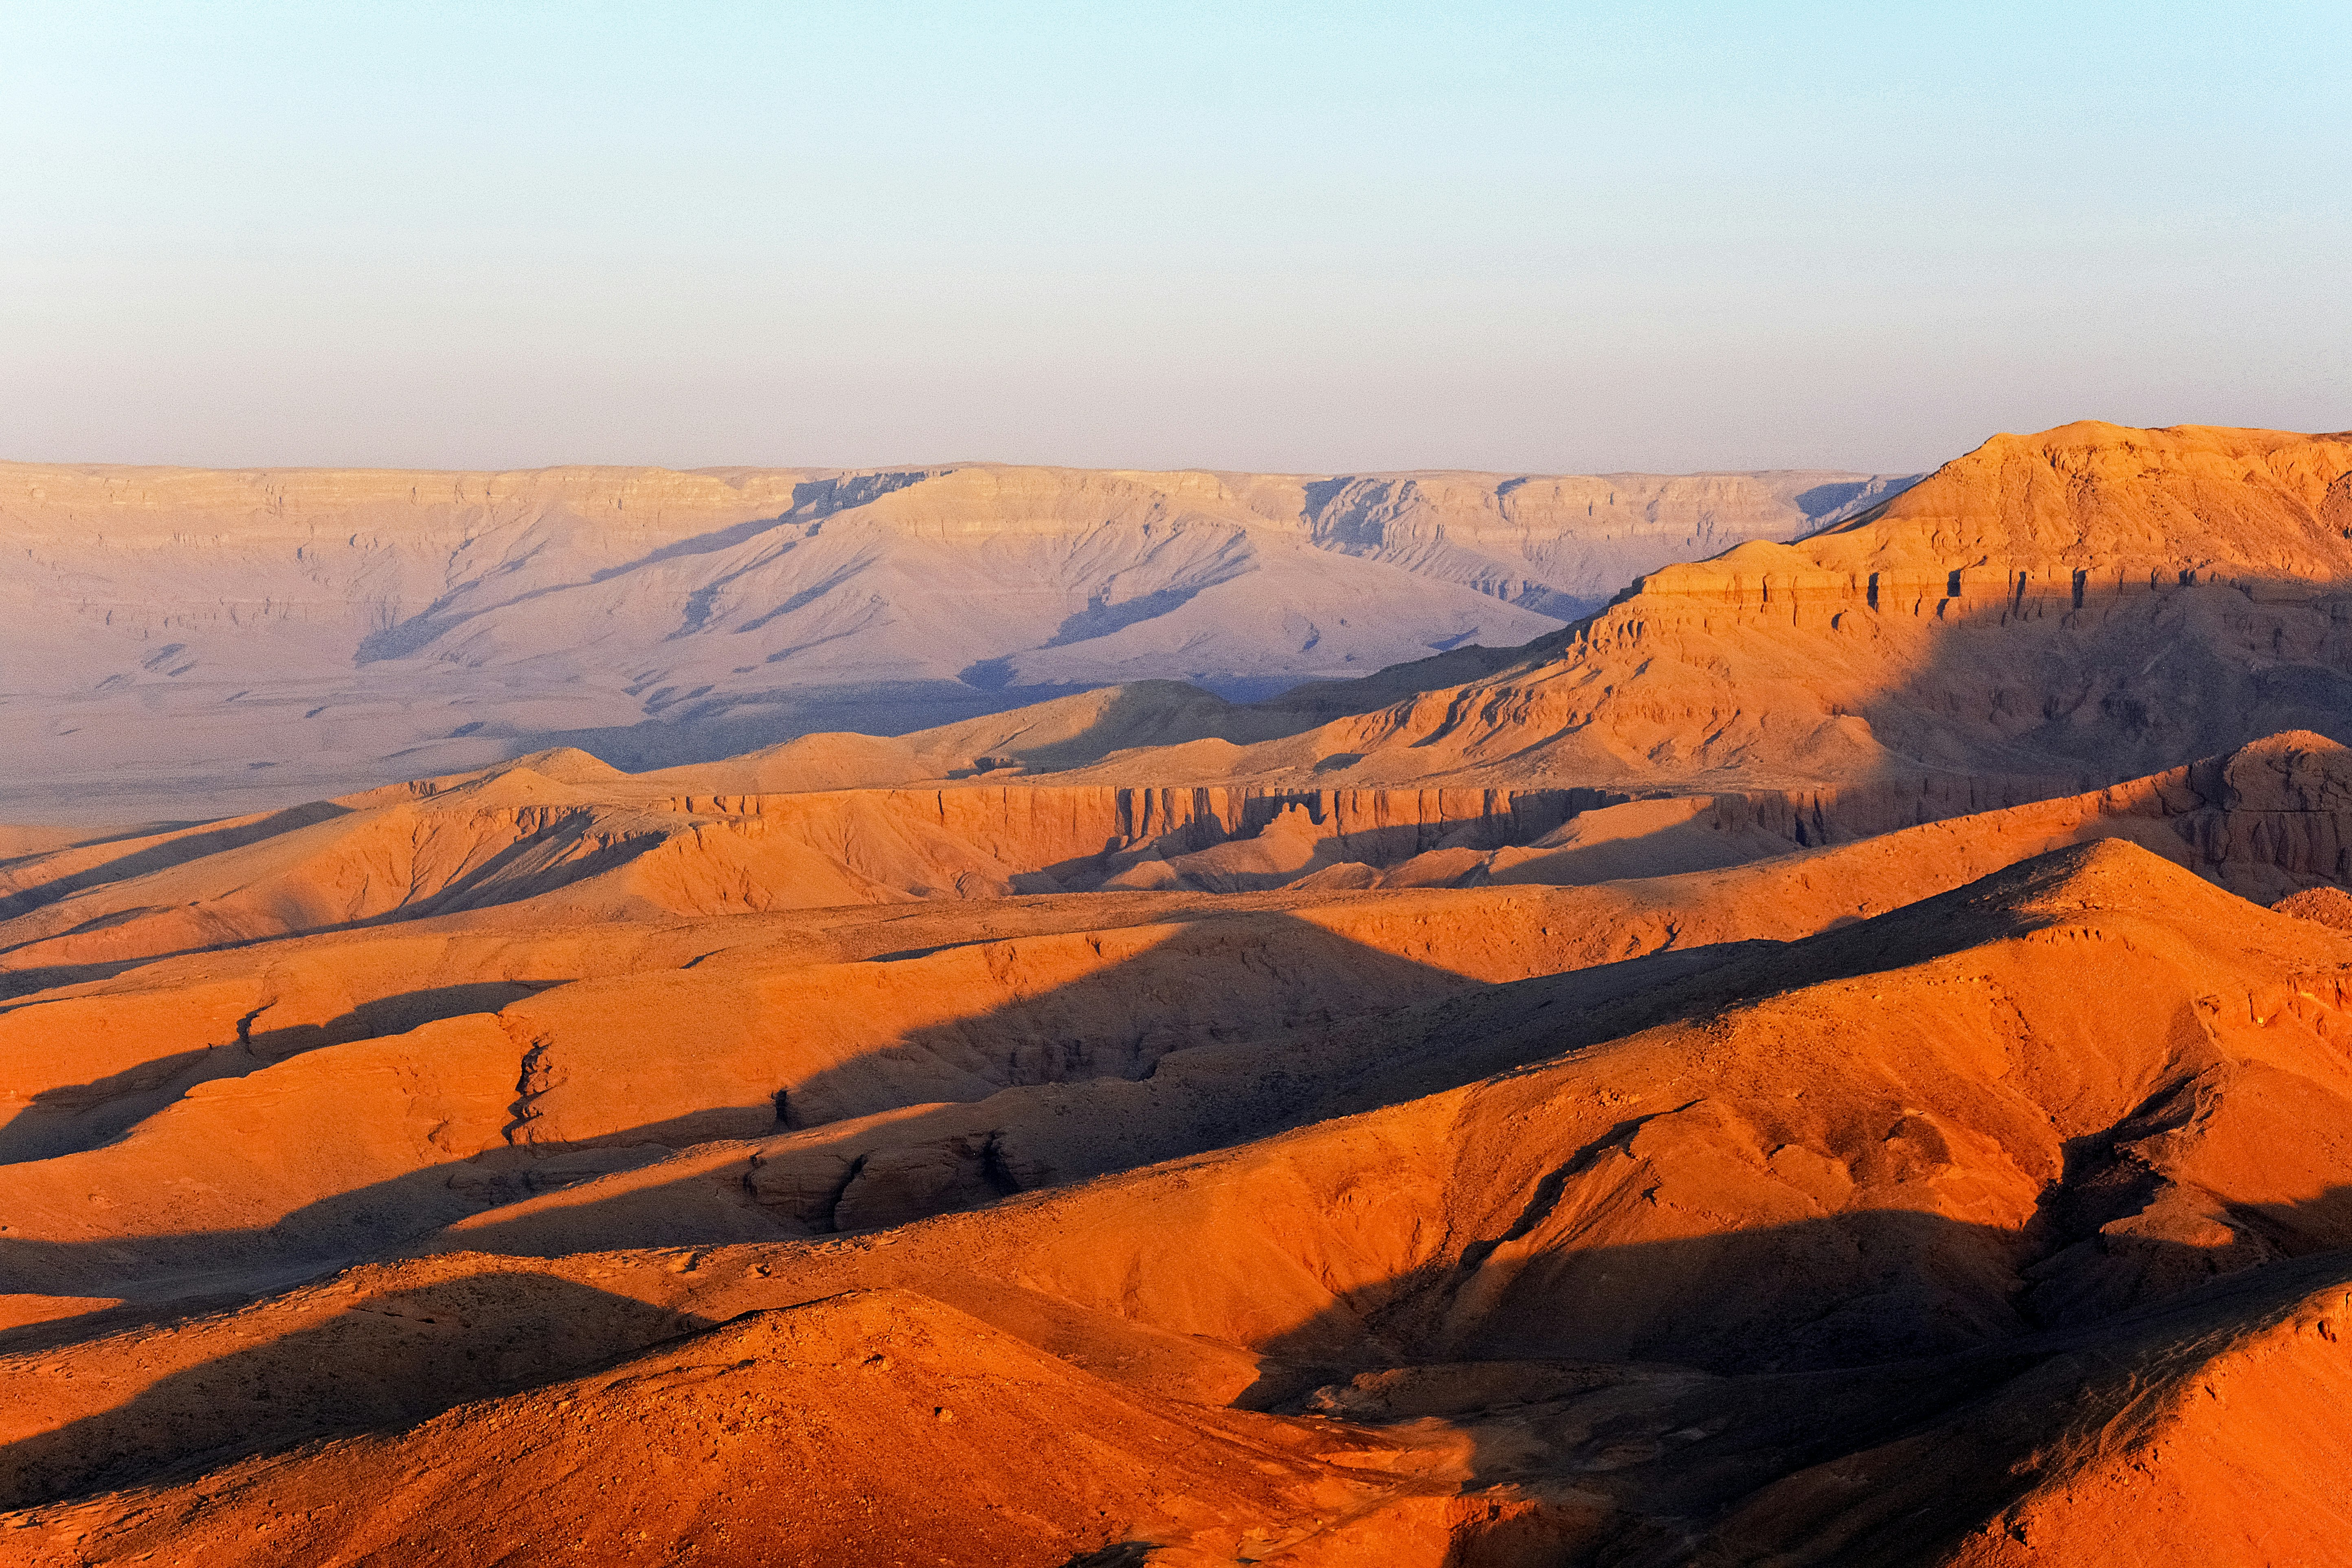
(2045, 614)
(177, 642)
(2093, 601)
(1318, 1226)
(1839, 1057)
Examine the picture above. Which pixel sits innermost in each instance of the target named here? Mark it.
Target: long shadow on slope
(1681, 1378)
(1218, 975)
(233, 835)
(909, 1127)
(372, 1220)
(384, 1361)
(461, 894)
(2123, 685)
(1347, 1037)
(1168, 1053)
(68, 838)
(1398, 1030)
(71, 1118)
(1813, 1299)
(1262, 985)
(1130, 1065)
(1068, 1121)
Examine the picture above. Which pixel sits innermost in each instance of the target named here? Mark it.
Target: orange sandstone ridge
(1756, 1076)
(2045, 614)
(2088, 604)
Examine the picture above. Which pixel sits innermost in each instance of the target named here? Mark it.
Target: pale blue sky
(1253, 237)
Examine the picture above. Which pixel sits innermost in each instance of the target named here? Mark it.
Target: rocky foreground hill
(1795, 1067)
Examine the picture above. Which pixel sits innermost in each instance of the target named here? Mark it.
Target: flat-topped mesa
(1385, 509)
(2035, 525)
(996, 501)
(273, 620)
(167, 507)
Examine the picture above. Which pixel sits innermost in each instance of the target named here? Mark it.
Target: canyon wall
(176, 642)
(2093, 602)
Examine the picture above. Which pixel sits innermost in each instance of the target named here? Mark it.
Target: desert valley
(992, 1015)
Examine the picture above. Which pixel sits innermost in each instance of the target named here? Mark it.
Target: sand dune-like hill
(1841, 1056)
(183, 643)
(1448, 1267)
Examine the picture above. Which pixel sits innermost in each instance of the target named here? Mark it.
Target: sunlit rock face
(2044, 614)
(1841, 1055)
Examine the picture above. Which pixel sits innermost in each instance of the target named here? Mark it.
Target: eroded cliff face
(2091, 602)
(1560, 542)
(1212, 1150)
(559, 839)
(290, 631)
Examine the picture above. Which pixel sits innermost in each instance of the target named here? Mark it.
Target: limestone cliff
(177, 642)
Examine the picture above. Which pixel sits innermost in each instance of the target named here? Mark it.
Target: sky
(1309, 238)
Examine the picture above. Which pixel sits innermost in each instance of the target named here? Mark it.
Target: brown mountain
(2059, 610)
(184, 642)
(1734, 1081)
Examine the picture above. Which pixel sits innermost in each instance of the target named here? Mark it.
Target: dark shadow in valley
(384, 1361)
(2024, 695)
(71, 1118)
(1679, 1379)
(175, 851)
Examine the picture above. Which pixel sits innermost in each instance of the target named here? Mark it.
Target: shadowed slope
(1170, 1024)
(2091, 600)
(1925, 1146)
(873, 1426)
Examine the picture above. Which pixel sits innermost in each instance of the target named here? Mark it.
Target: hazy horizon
(1512, 238)
(922, 463)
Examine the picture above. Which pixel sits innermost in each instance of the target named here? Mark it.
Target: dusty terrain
(179, 643)
(1796, 1068)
